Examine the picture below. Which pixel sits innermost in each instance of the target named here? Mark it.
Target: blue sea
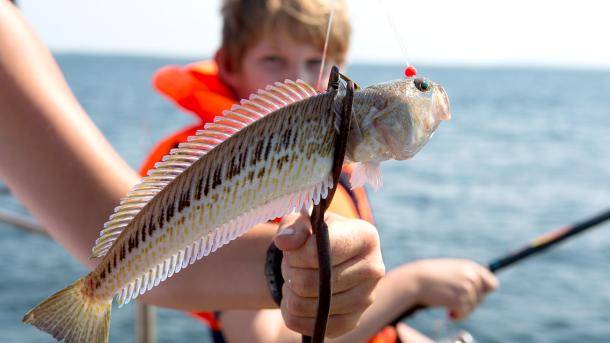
(527, 151)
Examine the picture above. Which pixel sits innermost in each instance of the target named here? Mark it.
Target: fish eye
(422, 84)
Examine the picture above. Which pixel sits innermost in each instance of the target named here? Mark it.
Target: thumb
(293, 232)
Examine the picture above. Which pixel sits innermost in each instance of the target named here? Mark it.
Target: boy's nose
(302, 72)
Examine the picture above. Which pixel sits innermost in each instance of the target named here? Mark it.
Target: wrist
(417, 271)
(273, 272)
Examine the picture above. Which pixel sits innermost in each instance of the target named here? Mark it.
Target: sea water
(527, 151)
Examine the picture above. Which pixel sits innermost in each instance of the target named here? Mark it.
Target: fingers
(337, 324)
(462, 303)
(353, 287)
(353, 300)
(478, 281)
(293, 232)
(489, 281)
(348, 238)
(304, 282)
(357, 267)
(468, 298)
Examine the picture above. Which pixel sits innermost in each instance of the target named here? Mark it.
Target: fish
(263, 158)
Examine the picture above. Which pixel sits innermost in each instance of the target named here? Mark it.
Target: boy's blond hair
(245, 22)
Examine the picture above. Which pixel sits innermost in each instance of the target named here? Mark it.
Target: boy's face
(275, 59)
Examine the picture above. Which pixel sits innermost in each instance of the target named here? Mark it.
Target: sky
(434, 32)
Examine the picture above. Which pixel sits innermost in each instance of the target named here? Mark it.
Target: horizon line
(360, 61)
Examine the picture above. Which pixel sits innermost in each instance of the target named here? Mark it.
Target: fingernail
(453, 315)
(286, 232)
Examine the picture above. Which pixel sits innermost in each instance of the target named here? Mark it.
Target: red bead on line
(410, 71)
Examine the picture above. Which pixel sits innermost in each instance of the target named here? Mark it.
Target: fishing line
(397, 36)
(324, 52)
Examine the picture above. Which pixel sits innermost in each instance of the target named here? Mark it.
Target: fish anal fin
(218, 237)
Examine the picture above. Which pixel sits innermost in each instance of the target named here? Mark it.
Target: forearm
(396, 292)
(52, 156)
(458, 285)
(63, 170)
(261, 326)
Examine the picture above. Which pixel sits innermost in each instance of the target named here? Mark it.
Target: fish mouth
(442, 110)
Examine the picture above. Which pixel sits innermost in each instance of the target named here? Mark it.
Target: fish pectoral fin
(366, 172)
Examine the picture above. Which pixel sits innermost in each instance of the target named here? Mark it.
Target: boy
(268, 41)
(248, 61)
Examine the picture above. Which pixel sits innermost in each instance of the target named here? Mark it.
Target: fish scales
(217, 189)
(261, 159)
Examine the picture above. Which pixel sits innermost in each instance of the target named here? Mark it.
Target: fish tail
(72, 316)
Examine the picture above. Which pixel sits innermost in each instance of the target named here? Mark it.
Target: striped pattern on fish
(209, 191)
(264, 158)
(273, 170)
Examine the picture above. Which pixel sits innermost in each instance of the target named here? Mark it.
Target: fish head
(395, 119)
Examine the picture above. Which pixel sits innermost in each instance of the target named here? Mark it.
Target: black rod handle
(544, 242)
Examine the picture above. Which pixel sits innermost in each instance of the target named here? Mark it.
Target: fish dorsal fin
(261, 103)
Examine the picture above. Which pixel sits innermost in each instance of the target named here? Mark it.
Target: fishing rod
(21, 222)
(535, 246)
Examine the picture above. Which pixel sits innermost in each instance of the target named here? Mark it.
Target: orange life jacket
(387, 335)
(198, 89)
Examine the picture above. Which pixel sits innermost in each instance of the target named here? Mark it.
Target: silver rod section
(145, 323)
(22, 222)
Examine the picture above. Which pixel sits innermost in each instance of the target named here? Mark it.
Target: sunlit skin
(274, 59)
